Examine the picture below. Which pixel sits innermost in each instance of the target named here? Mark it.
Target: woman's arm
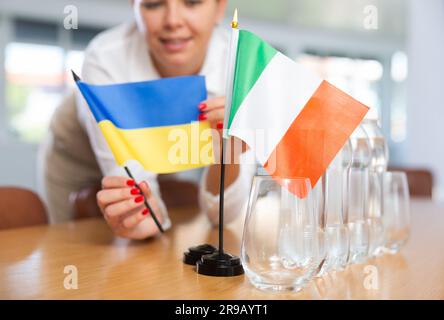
(213, 111)
(238, 173)
(235, 194)
(213, 177)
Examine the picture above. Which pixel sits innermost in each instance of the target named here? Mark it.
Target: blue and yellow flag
(153, 122)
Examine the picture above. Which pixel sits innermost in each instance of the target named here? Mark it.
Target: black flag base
(219, 265)
(209, 262)
(195, 253)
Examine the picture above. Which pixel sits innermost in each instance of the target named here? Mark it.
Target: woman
(170, 38)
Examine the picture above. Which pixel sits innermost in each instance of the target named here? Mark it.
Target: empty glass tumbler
(357, 223)
(374, 213)
(282, 243)
(336, 231)
(379, 157)
(357, 192)
(379, 150)
(396, 210)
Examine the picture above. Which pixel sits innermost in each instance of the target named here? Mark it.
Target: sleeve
(92, 72)
(235, 196)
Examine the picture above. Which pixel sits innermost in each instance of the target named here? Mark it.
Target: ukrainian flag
(153, 122)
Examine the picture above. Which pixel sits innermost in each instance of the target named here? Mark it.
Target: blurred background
(387, 53)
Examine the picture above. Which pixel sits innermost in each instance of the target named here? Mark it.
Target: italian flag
(294, 121)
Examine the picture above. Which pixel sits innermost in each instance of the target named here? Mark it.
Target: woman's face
(178, 32)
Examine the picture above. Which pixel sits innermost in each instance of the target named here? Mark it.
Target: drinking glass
(374, 214)
(378, 164)
(356, 197)
(336, 232)
(360, 148)
(318, 198)
(282, 243)
(396, 210)
(356, 215)
(379, 150)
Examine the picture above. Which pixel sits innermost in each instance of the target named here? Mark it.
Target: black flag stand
(209, 260)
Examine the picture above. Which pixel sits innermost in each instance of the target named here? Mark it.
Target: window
(358, 77)
(398, 112)
(74, 61)
(34, 85)
(37, 72)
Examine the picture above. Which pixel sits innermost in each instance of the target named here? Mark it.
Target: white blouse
(121, 55)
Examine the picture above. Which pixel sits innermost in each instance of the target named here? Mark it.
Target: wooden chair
(20, 208)
(84, 203)
(420, 181)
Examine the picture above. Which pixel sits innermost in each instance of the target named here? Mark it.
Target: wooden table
(32, 262)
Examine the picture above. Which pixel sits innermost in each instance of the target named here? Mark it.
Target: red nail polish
(202, 106)
(135, 191)
(130, 183)
(202, 117)
(145, 211)
(220, 125)
(138, 199)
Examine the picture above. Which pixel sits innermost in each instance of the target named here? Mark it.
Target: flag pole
(145, 201)
(209, 260)
(221, 199)
(234, 25)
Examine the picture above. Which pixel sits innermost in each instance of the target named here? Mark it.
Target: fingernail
(202, 106)
(202, 117)
(135, 191)
(220, 125)
(138, 199)
(145, 211)
(130, 183)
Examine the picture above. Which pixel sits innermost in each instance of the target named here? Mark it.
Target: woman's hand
(213, 110)
(123, 207)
